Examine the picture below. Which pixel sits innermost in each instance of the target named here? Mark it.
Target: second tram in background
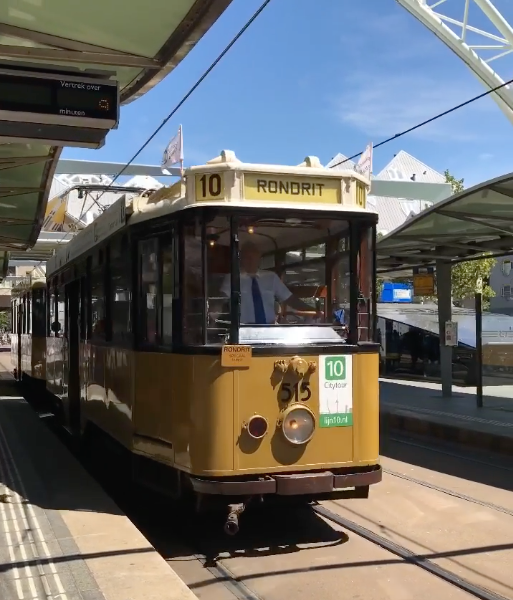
(220, 332)
(28, 337)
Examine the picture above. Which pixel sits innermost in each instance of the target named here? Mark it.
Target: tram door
(73, 328)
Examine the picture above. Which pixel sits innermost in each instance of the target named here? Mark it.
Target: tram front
(279, 307)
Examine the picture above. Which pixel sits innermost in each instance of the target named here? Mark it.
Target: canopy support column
(444, 293)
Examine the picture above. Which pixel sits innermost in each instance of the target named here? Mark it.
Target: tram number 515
(297, 391)
(209, 186)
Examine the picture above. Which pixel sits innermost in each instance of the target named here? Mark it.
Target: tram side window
(366, 279)
(25, 314)
(29, 312)
(18, 315)
(51, 312)
(39, 312)
(98, 304)
(84, 304)
(218, 277)
(192, 287)
(121, 294)
(341, 282)
(61, 311)
(149, 277)
(167, 254)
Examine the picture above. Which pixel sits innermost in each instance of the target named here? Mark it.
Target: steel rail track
(416, 444)
(214, 566)
(449, 492)
(223, 574)
(240, 591)
(408, 556)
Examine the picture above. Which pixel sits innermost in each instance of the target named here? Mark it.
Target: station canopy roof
(93, 34)
(47, 243)
(462, 227)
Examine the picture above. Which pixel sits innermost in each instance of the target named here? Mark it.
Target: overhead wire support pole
(479, 345)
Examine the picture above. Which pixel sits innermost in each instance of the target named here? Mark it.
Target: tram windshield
(292, 279)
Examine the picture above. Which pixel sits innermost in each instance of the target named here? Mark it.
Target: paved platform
(418, 407)
(61, 536)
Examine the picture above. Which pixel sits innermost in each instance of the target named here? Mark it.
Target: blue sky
(321, 77)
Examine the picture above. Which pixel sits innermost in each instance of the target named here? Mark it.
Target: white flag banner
(364, 165)
(173, 154)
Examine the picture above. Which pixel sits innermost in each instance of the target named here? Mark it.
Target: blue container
(396, 292)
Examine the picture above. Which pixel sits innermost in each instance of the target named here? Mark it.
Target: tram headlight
(298, 425)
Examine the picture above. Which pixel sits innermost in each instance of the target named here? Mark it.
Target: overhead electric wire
(206, 73)
(233, 41)
(423, 123)
(199, 81)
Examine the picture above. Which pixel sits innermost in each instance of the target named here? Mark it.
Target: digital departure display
(61, 97)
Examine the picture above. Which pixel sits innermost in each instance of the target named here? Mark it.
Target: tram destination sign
(57, 96)
(291, 188)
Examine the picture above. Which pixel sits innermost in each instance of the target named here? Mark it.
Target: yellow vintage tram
(221, 331)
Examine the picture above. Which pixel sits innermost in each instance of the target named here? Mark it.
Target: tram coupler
(231, 527)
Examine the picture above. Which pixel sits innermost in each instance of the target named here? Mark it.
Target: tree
(465, 275)
(456, 184)
(5, 320)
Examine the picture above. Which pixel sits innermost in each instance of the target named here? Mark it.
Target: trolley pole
(479, 342)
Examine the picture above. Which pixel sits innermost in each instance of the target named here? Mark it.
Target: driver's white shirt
(271, 287)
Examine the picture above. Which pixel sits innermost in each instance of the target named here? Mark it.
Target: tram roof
(460, 228)
(243, 185)
(95, 34)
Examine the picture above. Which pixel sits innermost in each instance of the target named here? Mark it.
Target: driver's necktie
(258, 303)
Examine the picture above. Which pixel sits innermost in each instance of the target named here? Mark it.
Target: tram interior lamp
(212, 238)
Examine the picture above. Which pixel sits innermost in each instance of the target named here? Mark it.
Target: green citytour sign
(335, 368)
(336, 391)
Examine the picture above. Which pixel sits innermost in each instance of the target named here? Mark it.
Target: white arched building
(393, 212)
(76, 200)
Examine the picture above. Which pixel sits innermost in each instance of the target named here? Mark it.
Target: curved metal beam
(472, 55)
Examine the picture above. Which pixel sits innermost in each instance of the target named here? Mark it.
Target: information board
(336, 391)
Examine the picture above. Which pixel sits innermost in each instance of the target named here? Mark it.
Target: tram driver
(261, 289)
